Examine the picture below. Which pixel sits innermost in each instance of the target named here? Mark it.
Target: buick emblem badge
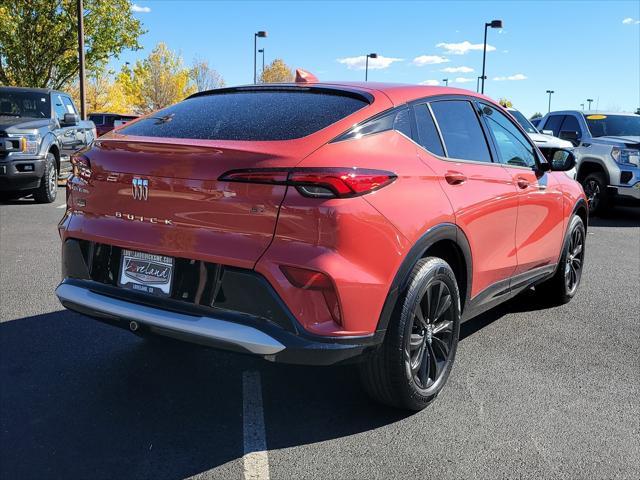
(140, 188)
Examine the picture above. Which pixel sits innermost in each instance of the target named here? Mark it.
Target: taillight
(313, 280)
(317, 182)
(81, 166)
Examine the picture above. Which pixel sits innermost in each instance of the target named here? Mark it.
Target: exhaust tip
(133, 326)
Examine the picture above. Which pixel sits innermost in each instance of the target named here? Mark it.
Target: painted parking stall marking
(255, 459)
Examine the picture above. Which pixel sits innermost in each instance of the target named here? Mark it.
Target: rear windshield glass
(248, 115)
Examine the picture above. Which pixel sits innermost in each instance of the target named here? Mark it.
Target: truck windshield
(522, 120)
(613, 125)
(24, 104)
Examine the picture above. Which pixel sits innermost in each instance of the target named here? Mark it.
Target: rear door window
(428, 135)
(254, 114)
(461, 131)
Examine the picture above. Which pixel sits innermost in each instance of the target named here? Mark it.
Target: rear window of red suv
(258, 114)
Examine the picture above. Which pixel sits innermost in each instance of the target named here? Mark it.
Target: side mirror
(573, 137)
(560, 159)
(547, 132)
(70, 119)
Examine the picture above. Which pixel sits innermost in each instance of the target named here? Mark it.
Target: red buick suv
(318, 223)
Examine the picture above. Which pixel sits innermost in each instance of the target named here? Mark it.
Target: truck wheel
(595, 188)
(562, 287)
(48, 189)
(413, 364)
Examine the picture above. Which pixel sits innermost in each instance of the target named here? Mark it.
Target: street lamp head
(373, 55)
(261, 50)
(550, 91)
(495, 24)
(261, 34)
(589, 99)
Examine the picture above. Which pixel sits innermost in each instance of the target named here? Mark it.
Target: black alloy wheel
(430, 344)
(573, 262)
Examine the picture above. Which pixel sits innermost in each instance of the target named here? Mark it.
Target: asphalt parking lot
(535, 392)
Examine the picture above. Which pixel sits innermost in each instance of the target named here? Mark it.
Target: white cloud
(630, 21)
(463, 80)
(138, 9)
(423, 60)
(517, 76)
(463, 47)
(457, 70)
(431, 83)
(358, 63)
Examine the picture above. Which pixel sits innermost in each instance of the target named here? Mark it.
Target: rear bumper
(22, 174)
(244, 315)
(223, 330)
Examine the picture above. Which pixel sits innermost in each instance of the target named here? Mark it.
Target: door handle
(455, 178)
(523, 183)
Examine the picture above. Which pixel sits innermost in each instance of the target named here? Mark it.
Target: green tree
(39, 39)
(536, 115)
(277, 72)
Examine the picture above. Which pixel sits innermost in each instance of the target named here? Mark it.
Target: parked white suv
(607, 153)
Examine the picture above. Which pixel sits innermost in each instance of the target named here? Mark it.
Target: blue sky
(579, 49)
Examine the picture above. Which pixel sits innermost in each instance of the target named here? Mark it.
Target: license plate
(146, 272)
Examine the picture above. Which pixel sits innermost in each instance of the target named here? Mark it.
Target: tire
(595, 188)
(401, 372)
(48, 189)
(562, 287)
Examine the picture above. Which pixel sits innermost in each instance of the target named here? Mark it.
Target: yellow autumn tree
(156, 82)
(506, 103)
(277, 72)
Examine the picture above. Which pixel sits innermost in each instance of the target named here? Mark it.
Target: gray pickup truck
(39, 130)
(607, 153)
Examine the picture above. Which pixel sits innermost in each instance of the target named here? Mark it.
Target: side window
(571, 130)
(58, 107)
(553, 123)
(513, 146)
(427, 133)
(395, 120)
(461, 131)
(97, 119)
(108, 120)
(69, 106)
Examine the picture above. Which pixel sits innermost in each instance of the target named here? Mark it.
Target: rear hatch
(154, 187)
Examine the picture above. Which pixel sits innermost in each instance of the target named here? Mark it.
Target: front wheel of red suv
(415, 360)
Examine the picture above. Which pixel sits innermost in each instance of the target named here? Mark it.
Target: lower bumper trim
(203, 328)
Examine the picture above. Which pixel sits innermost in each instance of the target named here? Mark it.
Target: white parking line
(255, 459)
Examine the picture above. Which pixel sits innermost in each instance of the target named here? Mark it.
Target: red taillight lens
(81, 166)
(312, 280)
(318, 182)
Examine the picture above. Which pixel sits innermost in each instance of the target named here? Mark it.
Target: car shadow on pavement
(84, 400)
(620, 216)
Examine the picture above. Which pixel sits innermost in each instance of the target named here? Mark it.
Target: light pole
(446, 82)
(261, 50)
(366, 65)
(550, 92)
(478, 83)
(260, 34)
(589, 100)
(83, 103)
(492, 24)
(582, 106)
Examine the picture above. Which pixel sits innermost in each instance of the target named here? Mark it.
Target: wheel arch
(446, 241)
(590, 165)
